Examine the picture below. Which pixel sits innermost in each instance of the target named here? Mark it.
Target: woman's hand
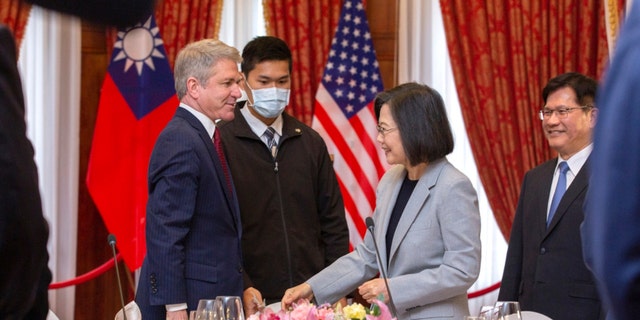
(291, 295)
(372, 289)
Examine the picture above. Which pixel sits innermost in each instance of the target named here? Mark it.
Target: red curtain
(307, 27)
(182, 22)
(185, 21)
(14, 14)
(502, 54)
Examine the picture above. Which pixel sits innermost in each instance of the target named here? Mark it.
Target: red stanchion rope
(109, 264)
(484, 291)
(87, 276)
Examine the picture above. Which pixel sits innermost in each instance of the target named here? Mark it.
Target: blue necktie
(561, 187)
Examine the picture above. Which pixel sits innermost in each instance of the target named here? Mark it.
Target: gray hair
(196, 60)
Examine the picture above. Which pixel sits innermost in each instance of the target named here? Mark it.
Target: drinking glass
(207, 310)
(508, 310)
(489, 312)
(230, 308)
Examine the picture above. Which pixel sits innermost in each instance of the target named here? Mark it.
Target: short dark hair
(264, 48)
(384, 96)
(422, 121)
(584, 87)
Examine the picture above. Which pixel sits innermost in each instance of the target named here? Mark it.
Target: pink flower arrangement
(305, 310)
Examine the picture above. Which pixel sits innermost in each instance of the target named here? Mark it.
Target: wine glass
(230, 308)
(508, 310)
(489, 312)
(207, 310)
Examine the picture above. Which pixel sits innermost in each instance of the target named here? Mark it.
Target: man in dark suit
(24, 275)
(193, 225)
(544, 269)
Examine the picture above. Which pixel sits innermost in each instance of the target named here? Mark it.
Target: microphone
(112, 242)
(369, 222)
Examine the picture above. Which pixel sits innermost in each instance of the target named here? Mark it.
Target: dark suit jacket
(611, 229)
(24, 275)
(544, 270)
(193, 223)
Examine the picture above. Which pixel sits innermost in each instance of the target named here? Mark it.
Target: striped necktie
(271, 141)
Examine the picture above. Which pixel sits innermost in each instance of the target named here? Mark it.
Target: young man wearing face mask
(290, 203)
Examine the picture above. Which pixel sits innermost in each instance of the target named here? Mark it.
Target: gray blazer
(435, 254)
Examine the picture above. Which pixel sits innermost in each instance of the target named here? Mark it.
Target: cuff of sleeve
(176, 307)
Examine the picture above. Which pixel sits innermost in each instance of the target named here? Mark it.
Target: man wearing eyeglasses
(544, 269)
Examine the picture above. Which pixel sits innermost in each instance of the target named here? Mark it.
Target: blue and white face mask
(270, 102)
(243, 97)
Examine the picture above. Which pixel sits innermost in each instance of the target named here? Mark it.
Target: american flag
(344, 115)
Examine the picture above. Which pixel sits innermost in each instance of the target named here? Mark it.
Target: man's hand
(253, 301)
(342, 302)
(177, 315)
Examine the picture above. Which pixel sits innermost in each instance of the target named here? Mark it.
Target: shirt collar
(578, 160)
(257, 126)
(208, 124)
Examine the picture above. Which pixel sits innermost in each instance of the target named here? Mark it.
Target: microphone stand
(112, 242)
(369, 222)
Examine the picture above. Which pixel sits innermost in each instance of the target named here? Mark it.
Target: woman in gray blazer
(427, 219)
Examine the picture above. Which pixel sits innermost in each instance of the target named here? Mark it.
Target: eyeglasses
(562, 112)
(384, 131)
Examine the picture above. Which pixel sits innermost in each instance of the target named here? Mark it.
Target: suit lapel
(384, 206)
(202, 133)
(208, 143)
(416, 203)
(577, 187)
(543, 183)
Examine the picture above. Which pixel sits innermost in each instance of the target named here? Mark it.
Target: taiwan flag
(137, 100)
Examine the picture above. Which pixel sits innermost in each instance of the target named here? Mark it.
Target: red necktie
(217, 142)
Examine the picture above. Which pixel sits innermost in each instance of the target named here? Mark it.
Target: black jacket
(24, 274)
(292, 212)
